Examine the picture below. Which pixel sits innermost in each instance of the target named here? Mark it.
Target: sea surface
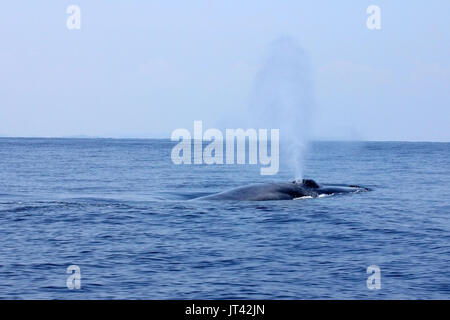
(119, 209)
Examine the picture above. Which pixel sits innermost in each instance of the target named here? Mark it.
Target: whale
(283, 191)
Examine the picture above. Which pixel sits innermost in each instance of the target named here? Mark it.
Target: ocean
(119, 210)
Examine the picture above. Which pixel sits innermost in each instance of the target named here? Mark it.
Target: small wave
(305, 197)
(26, 208)
(310, 197)
(323, 195)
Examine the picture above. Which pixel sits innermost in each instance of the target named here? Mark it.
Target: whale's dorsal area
(281, 191)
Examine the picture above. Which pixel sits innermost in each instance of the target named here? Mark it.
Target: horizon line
(82, 137)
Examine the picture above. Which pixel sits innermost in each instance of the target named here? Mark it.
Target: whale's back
(261, 192)
(282, 191)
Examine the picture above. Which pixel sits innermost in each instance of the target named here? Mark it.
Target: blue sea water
(118, 209)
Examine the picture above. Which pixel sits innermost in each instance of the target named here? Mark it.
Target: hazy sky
(144, 68)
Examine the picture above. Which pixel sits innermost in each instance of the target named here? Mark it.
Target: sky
(145, 68)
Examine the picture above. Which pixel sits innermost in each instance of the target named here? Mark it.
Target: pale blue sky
(144, 68)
